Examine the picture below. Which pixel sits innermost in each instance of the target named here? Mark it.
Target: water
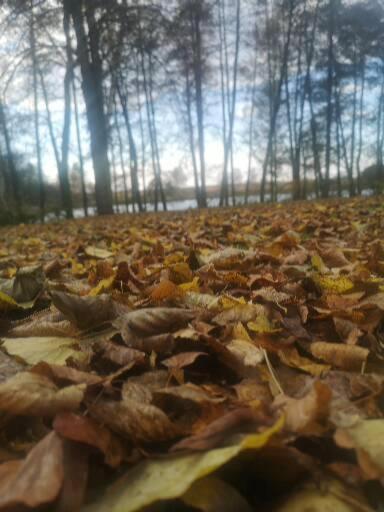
(189, 204)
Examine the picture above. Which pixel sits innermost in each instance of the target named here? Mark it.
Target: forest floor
(215, 360)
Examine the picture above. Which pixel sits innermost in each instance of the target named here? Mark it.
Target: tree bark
(36, 114)
(88, 48)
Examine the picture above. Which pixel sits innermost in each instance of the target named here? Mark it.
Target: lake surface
(188, 204)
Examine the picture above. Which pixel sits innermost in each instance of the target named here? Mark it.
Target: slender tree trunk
(142, 141)
(149, 122)
(329, 93)
(361, 117)
(191, 136)
(229, 145)
(353, 127)
(314, 140)
(251, 124)
(339, 188)
(136, 198)
(79, 149)
(343, 142)
(114, 177)
(155, 138)
(36, 115)
(276, 102)
(198, 78)
(379, 136)
(121, 155)
(14, 178)
(66, 134)
(224, 198)
(88, 47)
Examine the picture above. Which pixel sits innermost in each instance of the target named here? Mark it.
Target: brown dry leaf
(334, 257)
(84, 430)
(30, 394)
(304, 414)
(85, 312)
(374, 300)
(241, 313)
(36, 480)
(347, 330)
(73, 491)
(182, 360)
(165, 290)
(246, 353)
(220, 429)
(121, 355)
(346, 357)
(138, 420)
(292, 358)
(65, 374)
(153, 321)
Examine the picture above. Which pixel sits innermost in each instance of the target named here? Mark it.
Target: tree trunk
(36, 115)
(329, 94)
(122, 161)
(250, 141)
(14, 178)
(191, 136)
(198, 77)
(136, 198)
(92, 78)
(64, 172)
(276, 102)
(79, 149)
(361, 117)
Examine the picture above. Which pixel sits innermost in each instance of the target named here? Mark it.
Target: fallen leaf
(84, 430)
(97, 252)
(30, 394)
(36, 480)
(304, 413)
(347, 357)
(48, 349)
(85, 312)
(142, 486)
(211, 494)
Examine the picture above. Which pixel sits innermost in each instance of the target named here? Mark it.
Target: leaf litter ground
(222, 360)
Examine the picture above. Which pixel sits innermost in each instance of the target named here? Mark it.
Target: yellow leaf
(229, 302)
(6, 302)
(162, 479)
(50, 349)
(103, 286)
(262, 325)
(333, 284)
(211, 494)
(331, 496)
(240, 332)
(192, 286)
(97, 252)
(318, 263)
(77, 268)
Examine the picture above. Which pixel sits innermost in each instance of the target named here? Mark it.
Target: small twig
(274, 378)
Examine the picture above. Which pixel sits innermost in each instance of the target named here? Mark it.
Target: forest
(126, 105)
(191, 256)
